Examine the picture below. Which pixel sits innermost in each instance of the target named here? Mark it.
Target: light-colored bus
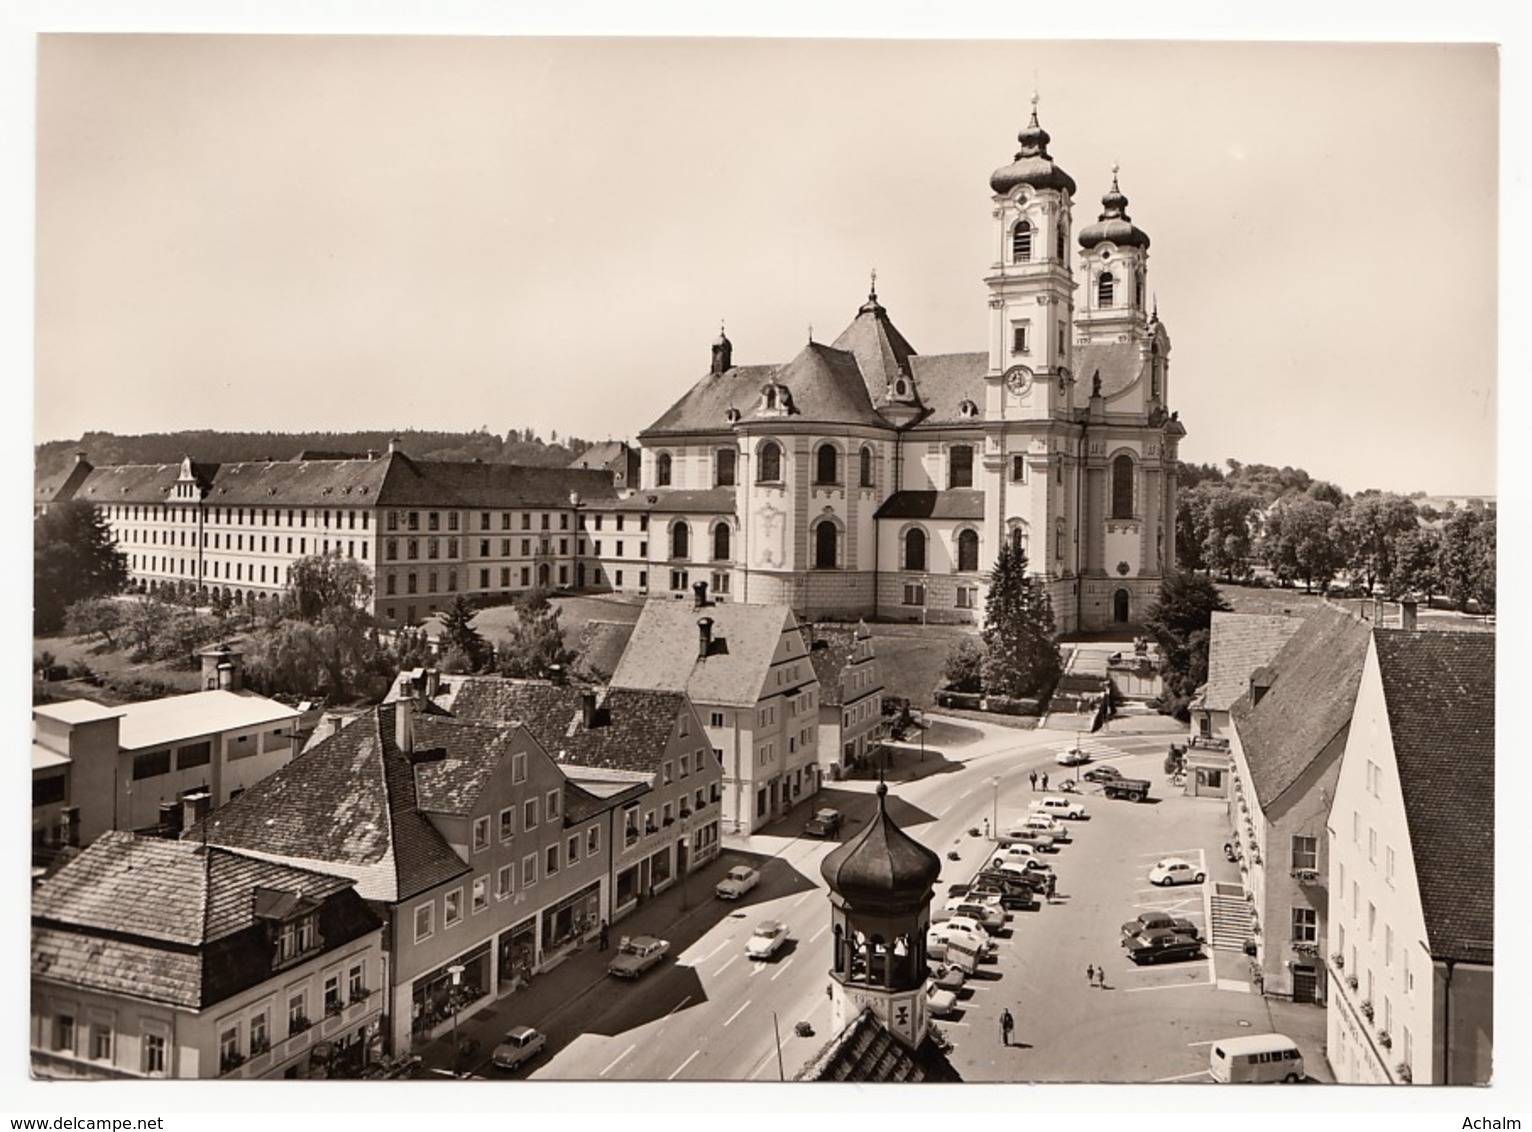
(1255, 1058)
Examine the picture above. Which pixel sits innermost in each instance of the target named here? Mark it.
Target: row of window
(827, 466)
(964, 597)
(236, 516)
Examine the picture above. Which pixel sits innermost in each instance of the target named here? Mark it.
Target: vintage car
(521, 1043)
(824, 823)
(1174, 870)
(768, 938)
(736, 882)
(636, 955)
(1159, 921)
(1162, 947)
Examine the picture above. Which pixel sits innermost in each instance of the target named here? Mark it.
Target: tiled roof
(348, 805)
(130, 483)
(1119, 363)
(945, 381)
(1313, 691)
(118, 966)
(1240, 643)
(662, 653)
(62, 484)
(881, 352)
(632, 726)
(719, 500)
(865, 1051)
(600, 455)
(453, 783)
(602, 644)
(955, 503)
(1440, 692)
(171, 719)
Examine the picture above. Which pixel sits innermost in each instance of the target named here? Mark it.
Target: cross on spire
(872, 289)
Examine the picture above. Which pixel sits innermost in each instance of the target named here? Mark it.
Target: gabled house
(161, 958)
(850, 697)
(646, 751)
(470, 841)
(746, 669)
(1288, 732)
(1412, 865)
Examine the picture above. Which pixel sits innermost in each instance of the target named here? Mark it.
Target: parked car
(1056, 805)
(991, 917)
(521, 1043)
(824, 823)
(768, 938)
(1072, 757)
(939, 1002)
(1159, 921)
(942, 934)
(1044, 823)
(737, 881)
(636, 955)
(1035, 838)
(948, 977)
(1013, 897)
(1175, 870)
(1023, 866)
(1162, 947)
(1014, 878)
(1101, 774)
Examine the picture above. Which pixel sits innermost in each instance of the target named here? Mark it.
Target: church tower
(1114, 258)
(880, 909)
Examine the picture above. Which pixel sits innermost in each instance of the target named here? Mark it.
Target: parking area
(1143, 1023)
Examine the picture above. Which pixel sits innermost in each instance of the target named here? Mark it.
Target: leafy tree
(1374, 522)
(73, 558)
(1227, 541)
(327, 588)
(320, 635)
(1192, 524)
(1181, 622)
(1021, 657)
(95, 616)
(964, 670)
(1465, 562)
(1414, 556)
(461, 638)
(1326, 492)
(1304, 541)
(535, 648)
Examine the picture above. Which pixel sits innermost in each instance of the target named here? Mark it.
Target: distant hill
(518, 446)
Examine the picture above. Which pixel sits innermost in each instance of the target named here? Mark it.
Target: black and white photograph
(569, 559)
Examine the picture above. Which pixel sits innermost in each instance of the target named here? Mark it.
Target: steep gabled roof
(663, 651)
(1313, 691)
(830, 652)
(881, 352)
(129, 483)
(865, 1051)
(1239, 643)
(1439, 688)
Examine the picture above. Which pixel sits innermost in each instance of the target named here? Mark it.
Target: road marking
(725, 967)
(1192, 1045)
(785, 965)
(683, 1065)
(804, 897)
(1169, 986)
(738, 1012)
(1182, 1077)
(618, 1058)
(678, 1006)
(819, 933)
(715, 951)
(756, 969)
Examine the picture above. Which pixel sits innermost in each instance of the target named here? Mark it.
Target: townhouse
(850, 697)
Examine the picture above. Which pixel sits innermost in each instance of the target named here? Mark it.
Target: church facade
(864, 479)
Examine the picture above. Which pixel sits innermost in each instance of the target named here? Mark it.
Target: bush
(79, 670)
(966, 700)
(138, 688)
(964, 669)
(1010, 705)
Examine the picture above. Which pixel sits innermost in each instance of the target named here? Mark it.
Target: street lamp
(456, 971)
(995, 782)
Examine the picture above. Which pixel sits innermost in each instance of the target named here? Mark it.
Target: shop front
(436, 1002)
(572, 919)
(517, 948)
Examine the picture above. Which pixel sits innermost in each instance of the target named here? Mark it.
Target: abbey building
(862, 478)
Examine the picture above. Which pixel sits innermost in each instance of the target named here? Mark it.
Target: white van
(1255, 1058)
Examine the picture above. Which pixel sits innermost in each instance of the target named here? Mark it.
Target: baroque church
(864, 479)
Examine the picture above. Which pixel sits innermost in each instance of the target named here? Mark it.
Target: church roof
(1119, 363)
(882, 868)
(1440, 691)
(1033, 165)
(881, 352)
(945, 381)
(1114, 225)
(954, 503)
(865, 1051)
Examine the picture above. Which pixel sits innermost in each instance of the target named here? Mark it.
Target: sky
(331, 232)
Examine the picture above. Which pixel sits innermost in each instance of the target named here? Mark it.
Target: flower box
(1385, 1040)
(1351, 981)
(334, 1007)
(1367, 1009)
(1339, 961)
(1403, 1072)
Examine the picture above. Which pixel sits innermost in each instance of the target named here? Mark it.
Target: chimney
(72, 826)
(222, 668)
(394, 445)
(700, 590)
(704, 636)
(588, 709)
(433, 682)
(404, 725)
(170, 819)
(1407, 608)
(194, 807)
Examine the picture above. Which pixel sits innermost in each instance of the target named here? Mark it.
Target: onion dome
(1033, 165)
(882, 869)
(1114, 225)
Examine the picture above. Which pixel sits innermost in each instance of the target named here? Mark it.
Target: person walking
(1101, 977)
(1007, 1024)
(603, 936)
(1045, 782)
(1050, 884)
(986, 828)
(1033, 777)
(1090, 975)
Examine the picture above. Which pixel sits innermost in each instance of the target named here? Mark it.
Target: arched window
(1104, 290)
(1021, 242)
(915, 549)
(723, 467)
(825, 536)
(827, 464)
(968, 550)
(769, 463)
(1059, 238)
(960, 466)
(662, 470)
(866, 462)
(1018, 540)
(1122, 487)
(680, 541)
(721, 540)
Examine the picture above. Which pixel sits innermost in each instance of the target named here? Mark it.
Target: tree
(320, 635)
(461, 638)
(1181, 623)
(73, 558)
(95, 616)
(964, 670)
(535, 648)
(327, 588)
(1021, 657)
(1374, 522)
(1227, 542)
(1304, 541)
(1465, 562)
(1414, 556)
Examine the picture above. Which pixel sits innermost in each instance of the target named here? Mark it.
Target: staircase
(1229, 917)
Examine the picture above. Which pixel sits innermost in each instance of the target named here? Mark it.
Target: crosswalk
(1092, 747)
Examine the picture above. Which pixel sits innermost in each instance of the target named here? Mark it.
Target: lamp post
(456, 971)
(995, 782)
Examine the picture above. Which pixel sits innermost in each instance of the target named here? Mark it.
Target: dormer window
(1021, 242)
(662, 470)
(293, 920)
(968, 409)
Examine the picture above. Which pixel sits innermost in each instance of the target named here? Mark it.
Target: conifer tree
(1021, 657)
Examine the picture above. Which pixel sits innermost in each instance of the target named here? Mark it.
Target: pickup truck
(1161, 947)
(1133, 789)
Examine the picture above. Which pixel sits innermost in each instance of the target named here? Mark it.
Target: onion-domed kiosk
(880, 895)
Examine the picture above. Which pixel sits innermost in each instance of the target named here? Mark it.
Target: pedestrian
(1007, 1024)
(986, 828)
(1090, 974)
(1033, 777)
(1050, 887)
(1101, 977)
(603, 935)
